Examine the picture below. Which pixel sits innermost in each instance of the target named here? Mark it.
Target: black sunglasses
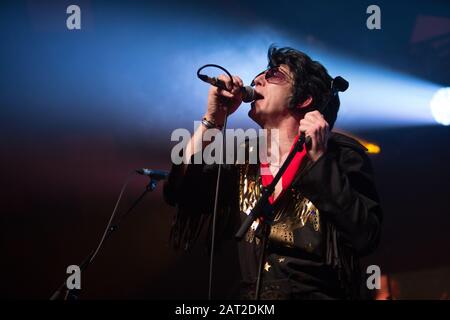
(273, 75)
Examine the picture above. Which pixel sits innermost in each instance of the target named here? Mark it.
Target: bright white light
(440, 106)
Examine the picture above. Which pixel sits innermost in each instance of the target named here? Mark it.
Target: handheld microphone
(154, 174)
(248, 93)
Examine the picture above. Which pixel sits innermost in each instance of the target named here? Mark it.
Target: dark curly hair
(310, 79)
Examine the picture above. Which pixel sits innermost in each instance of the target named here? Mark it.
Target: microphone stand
(72, 294)
(263, 209)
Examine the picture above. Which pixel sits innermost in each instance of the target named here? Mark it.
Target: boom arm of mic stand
(262, 207)
(150, 187)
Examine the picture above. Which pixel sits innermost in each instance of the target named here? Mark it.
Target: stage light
(440, 106)
(142, 87)
(372, 147)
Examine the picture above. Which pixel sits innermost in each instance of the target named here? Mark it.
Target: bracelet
(210, 124)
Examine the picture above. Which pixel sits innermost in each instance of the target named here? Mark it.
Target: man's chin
(253, 115)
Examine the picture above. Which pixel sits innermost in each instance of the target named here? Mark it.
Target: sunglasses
(273, 75)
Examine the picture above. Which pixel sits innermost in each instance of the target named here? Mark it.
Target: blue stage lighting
(440, 106)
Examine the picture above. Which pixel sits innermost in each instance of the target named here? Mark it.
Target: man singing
(326, 212)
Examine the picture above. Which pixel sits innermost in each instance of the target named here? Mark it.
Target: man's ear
(308, 102)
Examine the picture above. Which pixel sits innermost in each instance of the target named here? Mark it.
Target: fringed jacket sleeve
(341, 185)
(193, 196)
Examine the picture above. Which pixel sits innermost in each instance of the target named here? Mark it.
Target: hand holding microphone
(225, 95)
(224, 98)
(248, 93)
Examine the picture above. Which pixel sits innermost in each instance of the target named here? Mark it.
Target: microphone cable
(113, 214)
(88, 260)
(219, 171)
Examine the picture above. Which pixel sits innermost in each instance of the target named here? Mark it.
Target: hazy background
(80, 109)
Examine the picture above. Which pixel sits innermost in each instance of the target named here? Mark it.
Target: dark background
(73, 128)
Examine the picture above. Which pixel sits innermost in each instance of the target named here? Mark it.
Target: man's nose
(260, 80)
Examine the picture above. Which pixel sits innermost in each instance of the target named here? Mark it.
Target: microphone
(154, 174)
(248, 93)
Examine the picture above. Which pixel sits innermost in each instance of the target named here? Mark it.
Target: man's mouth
(258, 96)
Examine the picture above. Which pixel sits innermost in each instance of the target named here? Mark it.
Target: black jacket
(340, 185)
